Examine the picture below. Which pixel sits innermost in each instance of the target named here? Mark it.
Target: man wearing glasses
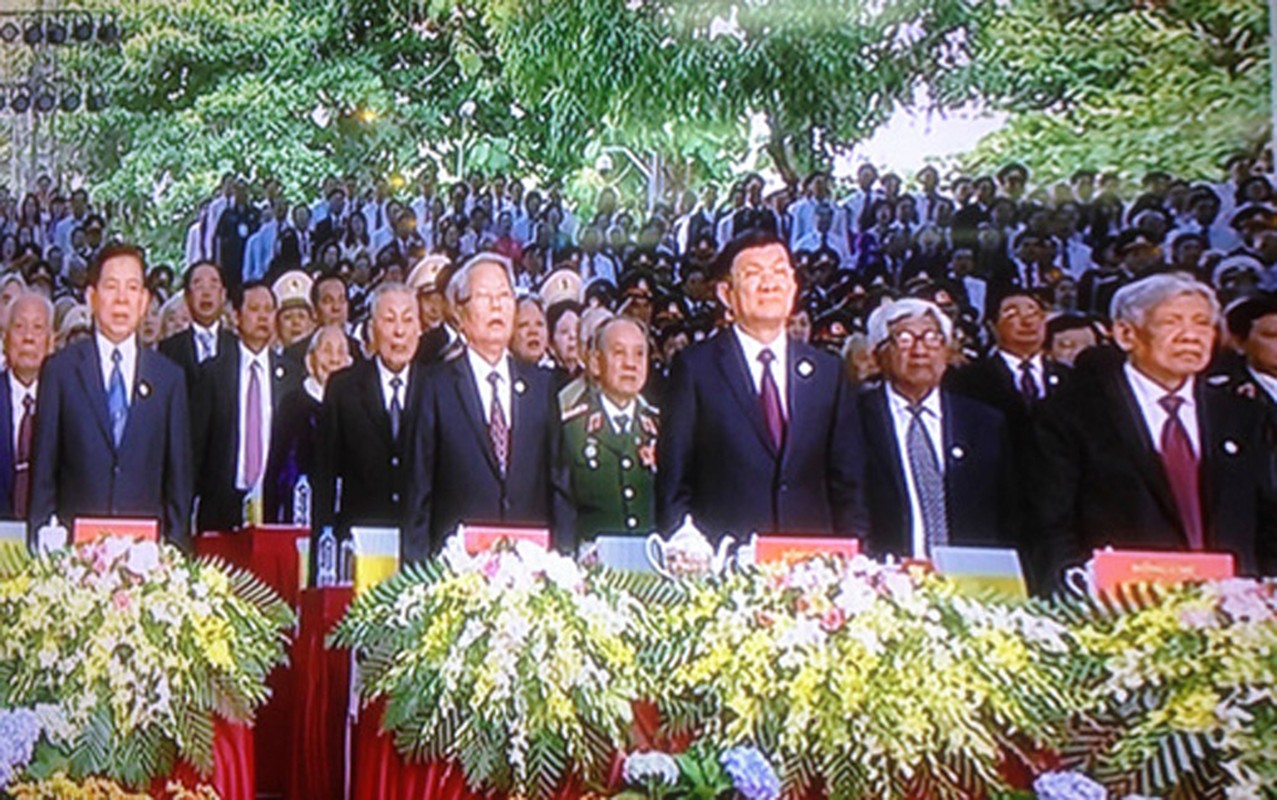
(940, 465)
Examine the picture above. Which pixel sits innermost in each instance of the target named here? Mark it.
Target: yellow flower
(1193, 710)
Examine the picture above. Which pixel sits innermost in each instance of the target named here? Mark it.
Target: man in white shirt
(113, 437)
(1151, 457)
(940, 470)
(233, 405)
(28, 340)
(486, 427)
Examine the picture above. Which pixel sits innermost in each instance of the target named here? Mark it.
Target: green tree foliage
(1131, 85)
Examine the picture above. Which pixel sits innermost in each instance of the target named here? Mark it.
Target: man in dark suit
(365, 423)
(333, 226)
(1150, 456)
(760, 431)
(1252, 373)
(113, 437)
(207, 337)
(486, 438)
(940, 469)
(28, 340)
(233, 407)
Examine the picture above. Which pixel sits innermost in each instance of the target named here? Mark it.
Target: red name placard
(1113, 568)
(479, 538)
(90, 529)
(797, 548)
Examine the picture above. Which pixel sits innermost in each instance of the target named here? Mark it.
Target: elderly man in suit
(760, 431)
(207, 337)
(940, 468)
(233, 407)
(113, 436)
(1150, 456)
(365, 422)
(486, 436)
(28, 341)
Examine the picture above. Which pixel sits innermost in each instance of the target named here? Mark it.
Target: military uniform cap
(561, 285)
(292, 289)
(429, 275)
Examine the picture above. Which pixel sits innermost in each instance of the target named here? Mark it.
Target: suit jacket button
(394, 461)
(628, 492)
(627, 463)
(631, 522)
(115, 469)
(784, 487)
(394, 497)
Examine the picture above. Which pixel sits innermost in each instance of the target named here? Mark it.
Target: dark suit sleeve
(324, 511)
(419, 480)
(44, 452)
(676, 448)
(847, 456)
(1055, 481)
(1011, 523)
(179, 475)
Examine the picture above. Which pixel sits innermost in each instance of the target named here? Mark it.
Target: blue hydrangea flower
(19, 731)
(751, 775)
(1067, 786)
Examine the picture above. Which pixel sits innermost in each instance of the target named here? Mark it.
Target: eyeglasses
(501, 299)
(905, 340)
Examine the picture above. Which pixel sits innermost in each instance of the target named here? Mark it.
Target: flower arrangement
(699, 774)
(515, 663)
(1180, 688)
(868, 680)
(123, 651)
(60, 787)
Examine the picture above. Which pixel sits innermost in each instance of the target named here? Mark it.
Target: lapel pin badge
(279, 371)
(1053, 379)
(958, 453)
(805, 368)
(520, 387)
(1231, 447)
(144, 389)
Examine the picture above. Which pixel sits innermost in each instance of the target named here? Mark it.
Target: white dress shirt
(211, 333)
(17, 392)
(932, 421)
(246, 361)
(1036, 369)
(385, 375)
(780, 349)
(1148, 393)
(614, 411)
(128, 362)
(481, 369)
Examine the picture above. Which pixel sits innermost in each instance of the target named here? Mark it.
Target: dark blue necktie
(117, 400)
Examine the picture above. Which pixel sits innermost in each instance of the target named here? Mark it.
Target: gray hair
(45, 303)
(387, 289)
(591, 320)
(889, 313)
(600, 331)
(1133, 302)
(458, 291)
(317, 339)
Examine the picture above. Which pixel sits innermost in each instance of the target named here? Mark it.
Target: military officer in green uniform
(610, 437)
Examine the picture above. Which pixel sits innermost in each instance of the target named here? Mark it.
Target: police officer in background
(610, 437)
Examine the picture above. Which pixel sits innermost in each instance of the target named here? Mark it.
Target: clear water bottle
(301, 502)
(327, 558)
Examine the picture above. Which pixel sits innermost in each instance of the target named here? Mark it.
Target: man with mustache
(484, 445)
(1149, 456)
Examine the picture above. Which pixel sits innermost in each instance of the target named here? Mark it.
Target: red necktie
(1181, 469)
(22, 459)
(769, 395)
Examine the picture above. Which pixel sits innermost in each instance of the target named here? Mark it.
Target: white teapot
(687, 552)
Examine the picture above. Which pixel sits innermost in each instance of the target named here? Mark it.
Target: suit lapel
(882, 436)
(7, 456)
(731, 363)
(468, 394)
(90, 373)
(144, 380)
(1138, 444)
(1212, 427)
(374, 405)
(520, 429)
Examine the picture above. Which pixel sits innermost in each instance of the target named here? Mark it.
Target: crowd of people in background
(1000, 291)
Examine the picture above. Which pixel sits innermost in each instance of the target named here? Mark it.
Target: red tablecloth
(382, 773)
(321, 695)
(270, 553)
(234, 773)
